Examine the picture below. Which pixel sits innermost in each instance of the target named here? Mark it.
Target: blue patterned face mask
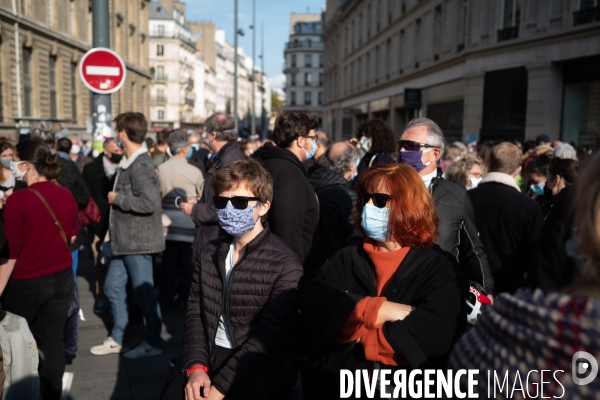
(236, 222)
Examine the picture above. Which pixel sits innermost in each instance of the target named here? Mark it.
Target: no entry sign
(102, 70)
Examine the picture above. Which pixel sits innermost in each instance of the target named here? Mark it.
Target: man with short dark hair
(337, 203)
(421, 146)
(99, 177)
(222, 136)
(509, 222)
(323, 144)
(160, 150)
(295, 211)
(135, 233)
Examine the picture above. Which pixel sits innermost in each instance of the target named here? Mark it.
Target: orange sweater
(360, 324)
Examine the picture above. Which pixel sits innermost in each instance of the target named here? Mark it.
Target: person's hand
(188, 206)
(111, 197)
(390, 312)
(198, 379)
(491, 298)
(215, 394)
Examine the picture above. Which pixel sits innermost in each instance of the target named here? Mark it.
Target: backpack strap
(56, 221)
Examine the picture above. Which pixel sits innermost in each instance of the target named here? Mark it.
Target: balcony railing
(189, 102)
(159, 99)
(508, 33)
(586, 16)
(172, 35)
(160, 77)
(301, 44)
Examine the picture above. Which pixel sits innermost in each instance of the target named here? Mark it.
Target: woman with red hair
(395, 301)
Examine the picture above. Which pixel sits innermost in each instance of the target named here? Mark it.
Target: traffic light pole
(101, 109)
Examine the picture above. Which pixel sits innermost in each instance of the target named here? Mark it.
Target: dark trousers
(177, 255)
(44, 302)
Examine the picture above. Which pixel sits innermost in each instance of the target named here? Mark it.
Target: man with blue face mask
(295, 210)
(421, 146)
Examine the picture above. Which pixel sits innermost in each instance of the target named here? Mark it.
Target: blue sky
(274, 15)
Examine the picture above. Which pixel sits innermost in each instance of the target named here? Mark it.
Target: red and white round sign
(102, 70)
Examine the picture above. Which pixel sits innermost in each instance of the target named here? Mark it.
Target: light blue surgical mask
(374, 221)
(538, 188)
(190, 153)
(311, 154)
(195, 146)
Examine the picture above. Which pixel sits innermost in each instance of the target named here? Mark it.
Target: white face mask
(15, 170)
(75, 149)
(474, 183)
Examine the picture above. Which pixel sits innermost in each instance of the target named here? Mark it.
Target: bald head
(340, 159)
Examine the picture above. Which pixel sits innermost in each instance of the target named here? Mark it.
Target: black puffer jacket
(458, 233)
(261, 306)
(337, 204)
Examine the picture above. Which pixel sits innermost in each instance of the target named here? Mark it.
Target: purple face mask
(236, 222)
(414, 159)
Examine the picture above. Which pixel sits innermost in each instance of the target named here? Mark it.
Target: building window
(321, 60)
(293, 76)
(160, 115)
(307, 98)
(74, 91)
(321, 78)
(320, 98)
(308, 60)
(161, 31)
(293, 60)
(160, 72)
(52, 75)
(512, 13)
(27, 81)
(160, 50)
(307, 79)
(308, 43)
(293, 98)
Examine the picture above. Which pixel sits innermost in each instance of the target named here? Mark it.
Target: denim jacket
(135, 215)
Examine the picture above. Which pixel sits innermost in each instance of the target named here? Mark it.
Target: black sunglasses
(409, 145)
(379, 199)
(239, 202)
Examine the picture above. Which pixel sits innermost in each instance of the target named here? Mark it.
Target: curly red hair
(413, 221)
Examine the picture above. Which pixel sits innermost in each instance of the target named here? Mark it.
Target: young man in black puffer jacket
(243, 301)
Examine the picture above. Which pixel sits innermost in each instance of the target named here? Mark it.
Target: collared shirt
(427, 179)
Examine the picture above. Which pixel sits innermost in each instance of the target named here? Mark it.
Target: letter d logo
(579, 368)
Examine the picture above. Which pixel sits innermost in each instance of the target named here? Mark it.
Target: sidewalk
(112, 376)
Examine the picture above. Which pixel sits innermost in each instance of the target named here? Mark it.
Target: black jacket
(294, 212)
(428, 279)
(204, 213)
(458, 234)
(260, 306)
(509, 224)
(375, 159)
(99, 185)
(70, 178)
(337, 205)
(552, 269)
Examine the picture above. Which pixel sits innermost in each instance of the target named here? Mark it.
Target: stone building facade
(496, 69)
(39, 65)
(304, 65)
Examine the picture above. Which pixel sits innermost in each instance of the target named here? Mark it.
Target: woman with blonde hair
(467, 172)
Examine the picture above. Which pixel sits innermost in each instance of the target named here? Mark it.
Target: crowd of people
(296, 253)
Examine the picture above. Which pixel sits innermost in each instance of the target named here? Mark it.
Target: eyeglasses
(313, 138)
(239, 202)
(379, 199)
(409, 145)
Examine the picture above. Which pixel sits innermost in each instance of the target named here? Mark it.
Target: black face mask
(547, 192)
(115, 158)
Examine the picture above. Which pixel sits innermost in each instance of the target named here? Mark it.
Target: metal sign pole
(101, 109)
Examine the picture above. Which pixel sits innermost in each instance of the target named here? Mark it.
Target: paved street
(112, 376)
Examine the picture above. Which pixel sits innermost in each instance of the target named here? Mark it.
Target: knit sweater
(361, 323)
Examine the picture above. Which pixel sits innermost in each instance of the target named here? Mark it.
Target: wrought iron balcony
(508, 34)
(159, 99)
(189, 102)
(586, 16)
(301, 44)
